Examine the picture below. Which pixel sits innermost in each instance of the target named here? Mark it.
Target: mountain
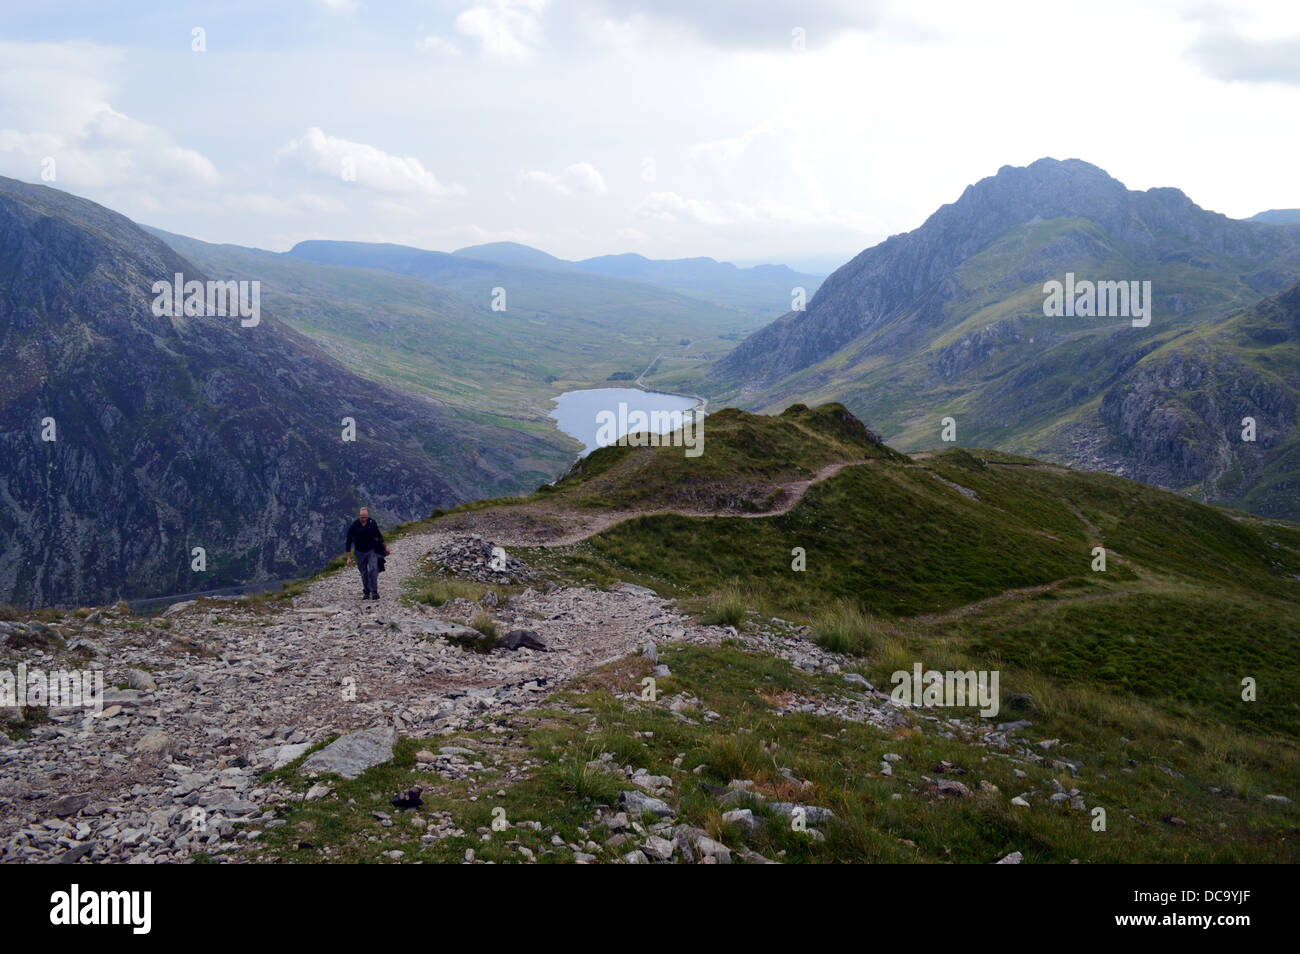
(512, 253)
(1277, 217)
(758, 289)
(548, 292)
(948, 321)
(761, 289)
(1175, 419)
(436, 333)
(171, 433)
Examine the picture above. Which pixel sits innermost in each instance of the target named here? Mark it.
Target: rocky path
(209, 697)
(204, 700)
(535, 525)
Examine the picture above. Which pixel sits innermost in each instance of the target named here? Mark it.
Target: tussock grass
(843, 627)
(727, 606)
(436, 592)
(485, 624)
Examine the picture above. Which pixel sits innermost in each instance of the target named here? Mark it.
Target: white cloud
(1229, 56)
(319, 154)
(671, 207)
(724, 153)
(506, 29)
(433, 43)
(579, 178)
(760, 152)
(302, 203)
(53, 105)
(744, 23)
(108, 149)
(765, 213)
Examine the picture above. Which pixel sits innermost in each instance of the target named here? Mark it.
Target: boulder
(635, 803)
(522, 639)
(350, 755)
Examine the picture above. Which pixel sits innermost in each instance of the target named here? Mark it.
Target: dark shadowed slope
(176, 433)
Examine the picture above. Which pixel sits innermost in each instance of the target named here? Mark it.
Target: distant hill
(948, 321)
(512, 253)
(178, 432)
(426, 325)
(763, 289)
(545, 292)
(1277, 217)
(758, 289)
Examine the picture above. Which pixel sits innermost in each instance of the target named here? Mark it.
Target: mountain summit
(948, 320)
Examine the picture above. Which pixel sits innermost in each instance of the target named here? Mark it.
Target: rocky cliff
(129, 439)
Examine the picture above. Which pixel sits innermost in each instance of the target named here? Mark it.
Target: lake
(579, 413)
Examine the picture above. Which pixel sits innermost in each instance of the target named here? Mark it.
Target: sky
(744, 130)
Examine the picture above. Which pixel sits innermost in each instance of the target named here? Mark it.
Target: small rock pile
(474, 558)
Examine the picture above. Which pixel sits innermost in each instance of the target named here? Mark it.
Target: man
(365, 538)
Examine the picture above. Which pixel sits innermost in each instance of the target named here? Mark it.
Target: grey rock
(445, 629)
(156, 742)
(522, 639)
(281, 755)
(744, 819)
(350, 755)
(69, 805)
(812, 814)
(635, 803)
(660, 849)
(139, 679)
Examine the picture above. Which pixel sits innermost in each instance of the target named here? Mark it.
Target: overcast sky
(667, 127)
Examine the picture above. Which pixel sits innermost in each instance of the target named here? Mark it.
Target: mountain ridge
(947, 320)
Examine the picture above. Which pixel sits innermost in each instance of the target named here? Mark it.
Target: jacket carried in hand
(365, 538)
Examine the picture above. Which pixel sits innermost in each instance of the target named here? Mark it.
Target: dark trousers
(368, 565)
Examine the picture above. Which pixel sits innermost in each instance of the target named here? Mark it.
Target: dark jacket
(364, 538)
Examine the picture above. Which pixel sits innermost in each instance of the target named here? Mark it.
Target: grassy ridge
(1181, 632)
(959, 560)
(743, 458)
(990, 556)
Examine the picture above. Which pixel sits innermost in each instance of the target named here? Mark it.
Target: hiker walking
(365, 538)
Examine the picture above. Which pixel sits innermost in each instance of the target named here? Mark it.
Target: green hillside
(1120, 699)
(948, 321)
(442, 339)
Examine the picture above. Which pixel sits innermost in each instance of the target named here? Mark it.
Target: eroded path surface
(203, 700)
(221, 691)
(538, 525)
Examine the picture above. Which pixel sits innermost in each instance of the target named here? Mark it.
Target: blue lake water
(578, 413)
